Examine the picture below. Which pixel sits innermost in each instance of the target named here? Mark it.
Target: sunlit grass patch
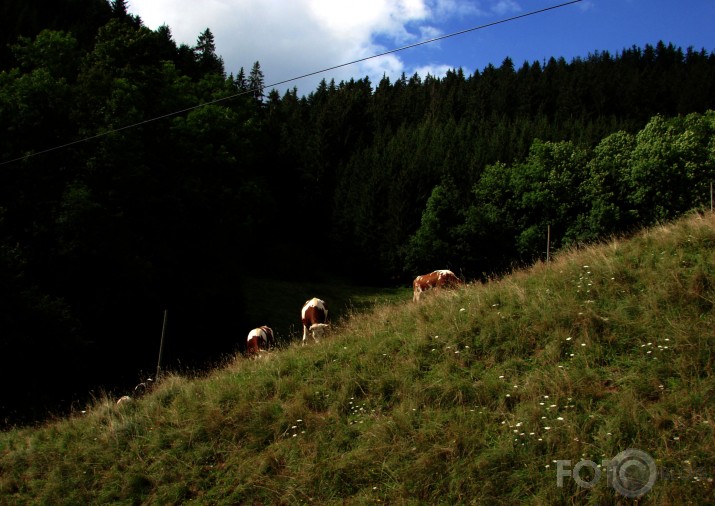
(470, 396)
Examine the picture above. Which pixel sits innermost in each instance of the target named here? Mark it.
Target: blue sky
(291, 38)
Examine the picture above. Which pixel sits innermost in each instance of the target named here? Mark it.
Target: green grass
(469, 397)
(277, 303)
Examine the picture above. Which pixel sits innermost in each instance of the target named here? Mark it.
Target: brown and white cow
(314, 312)
(434, 280)
(259, 339)
(318, 330)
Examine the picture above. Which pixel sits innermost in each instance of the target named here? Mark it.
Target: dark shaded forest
(103, 227)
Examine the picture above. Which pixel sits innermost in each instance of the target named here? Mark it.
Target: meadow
(472, 396)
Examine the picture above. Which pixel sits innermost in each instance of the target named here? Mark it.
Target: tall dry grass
(469, 397)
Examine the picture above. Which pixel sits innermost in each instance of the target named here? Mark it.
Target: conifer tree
(256, 81)
(205, 53)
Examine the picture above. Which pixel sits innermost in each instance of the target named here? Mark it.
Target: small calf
(318, 330)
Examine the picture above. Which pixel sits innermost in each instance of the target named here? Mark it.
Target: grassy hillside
(468, 397)
(266, 301)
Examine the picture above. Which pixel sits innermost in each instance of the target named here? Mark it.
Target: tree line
(379, 181)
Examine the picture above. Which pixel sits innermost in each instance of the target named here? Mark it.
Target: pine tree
(205, 53)
(256, 81)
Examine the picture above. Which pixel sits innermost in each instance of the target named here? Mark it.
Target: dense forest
(107, 219)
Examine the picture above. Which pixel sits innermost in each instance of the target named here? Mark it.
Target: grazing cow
(318, 330)
(436, 279)
(314, 311)
(259, 339)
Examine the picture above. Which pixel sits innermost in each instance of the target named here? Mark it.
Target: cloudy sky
(291, 38)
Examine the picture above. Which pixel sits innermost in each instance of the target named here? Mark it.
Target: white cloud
(433, 70)
(297, 37)
(503, 7)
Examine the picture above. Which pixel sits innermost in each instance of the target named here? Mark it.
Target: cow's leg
(305, 334)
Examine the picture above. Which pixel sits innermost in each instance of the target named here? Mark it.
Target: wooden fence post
(161, 344)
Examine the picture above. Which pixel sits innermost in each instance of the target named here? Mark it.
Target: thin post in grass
(548, 243)
(161, 344)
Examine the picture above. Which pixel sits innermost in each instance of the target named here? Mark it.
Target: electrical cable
(273, 85)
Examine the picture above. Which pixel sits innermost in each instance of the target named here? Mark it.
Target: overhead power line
(328, 69)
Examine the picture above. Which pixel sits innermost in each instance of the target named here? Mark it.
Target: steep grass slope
(471, 396)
